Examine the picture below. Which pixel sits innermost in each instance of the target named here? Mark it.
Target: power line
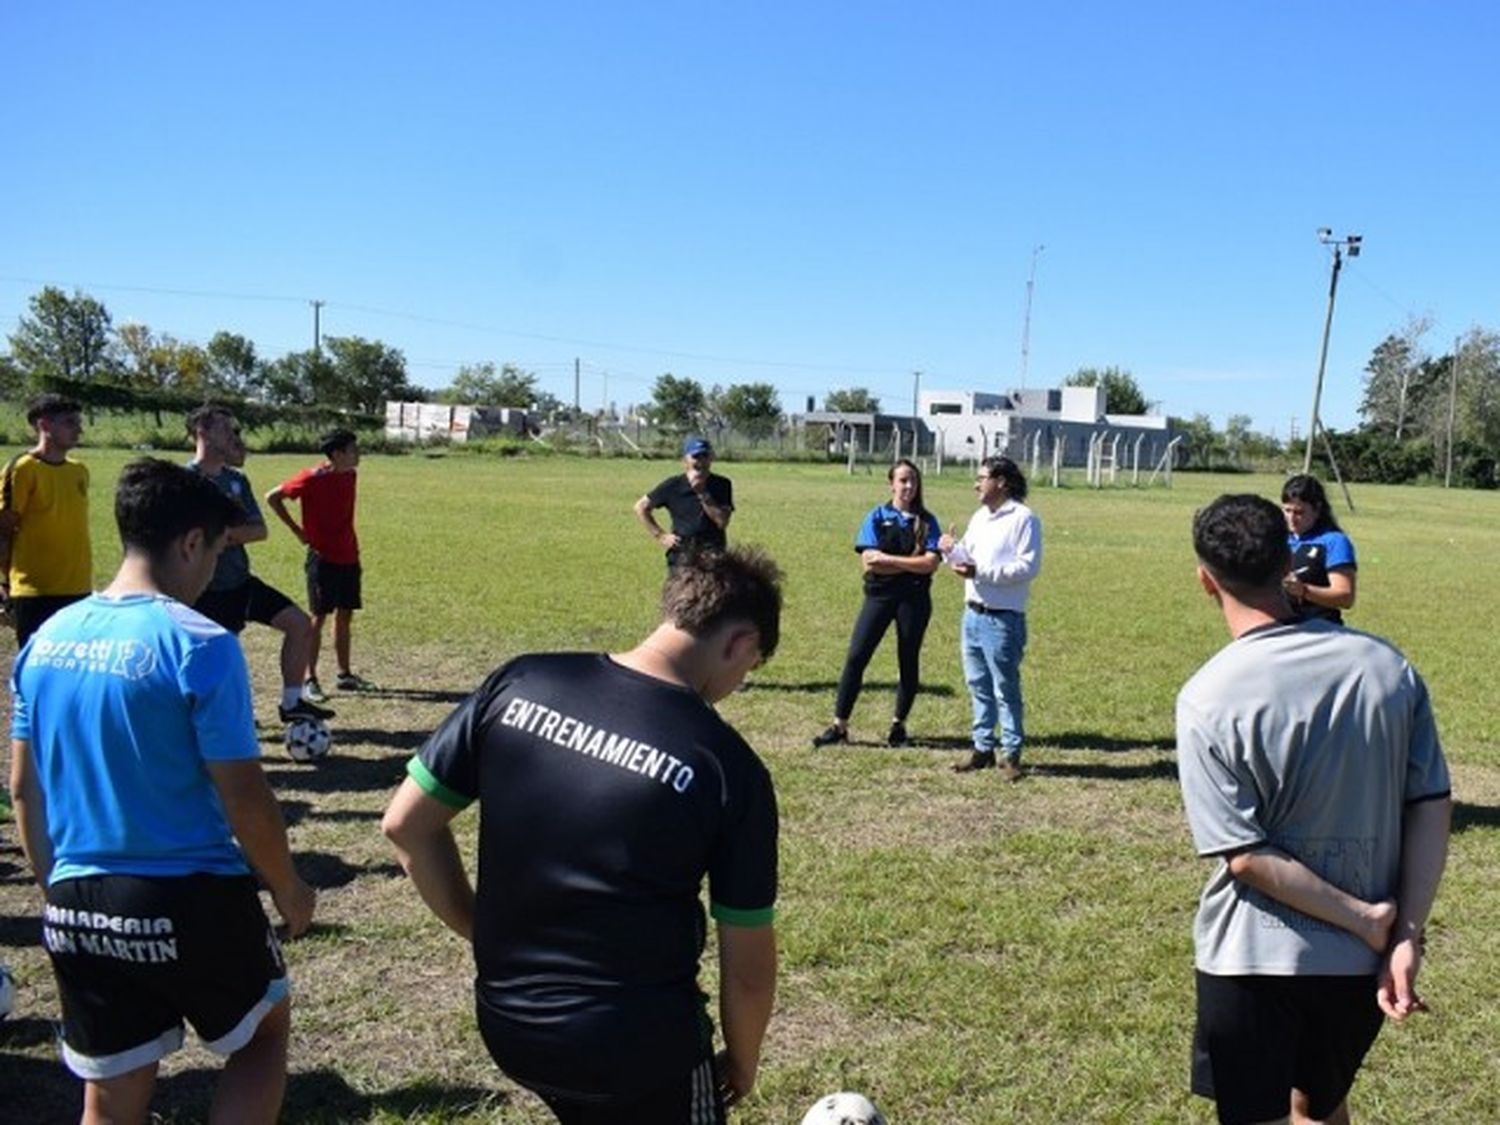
(446, 322)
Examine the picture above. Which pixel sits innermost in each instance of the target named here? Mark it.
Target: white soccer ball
(307, 740)
(7, 993)
(843, 1109)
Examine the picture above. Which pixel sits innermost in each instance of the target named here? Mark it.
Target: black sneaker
(978, 760)
(304, 709)
(897, 735)
(834, 733)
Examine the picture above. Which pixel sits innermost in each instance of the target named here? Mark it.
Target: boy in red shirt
(326, 493)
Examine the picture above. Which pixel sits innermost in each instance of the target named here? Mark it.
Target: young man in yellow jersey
(45, 560)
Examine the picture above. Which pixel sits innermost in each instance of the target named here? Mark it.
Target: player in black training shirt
(607, 788)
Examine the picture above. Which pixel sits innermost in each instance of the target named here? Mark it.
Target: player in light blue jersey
(143, 811)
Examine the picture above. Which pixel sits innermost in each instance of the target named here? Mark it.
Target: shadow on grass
(415, 695)
(1069, 740)
(20, 931)
(320, 1096)
(820, 687)
(13, 873)
(37, 1090)
(295, 812)
(323, 1097)
(337, 774)
(1467, 816)
(1093, 740)
(41, 1092)
(1159, 770)
(356, 736)
(326, 871)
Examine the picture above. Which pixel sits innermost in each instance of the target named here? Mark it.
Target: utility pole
(916, 386)
(317, 308)
(577, 404)
(1026, 322)
(1458, 345)
(1352, 243)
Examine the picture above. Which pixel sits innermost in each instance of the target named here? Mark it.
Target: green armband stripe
(417, 770)
(763, 916)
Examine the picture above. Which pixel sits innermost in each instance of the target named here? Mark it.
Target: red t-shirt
(327, 498)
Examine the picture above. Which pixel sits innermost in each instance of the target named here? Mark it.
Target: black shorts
(254, 601)
(331, 586)
(134, 957)
(689, 1100)
(30, 611)
(676, 1097)
(1258, 1038)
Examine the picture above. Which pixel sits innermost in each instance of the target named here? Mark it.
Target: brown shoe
(978, 760)
(1011, 770)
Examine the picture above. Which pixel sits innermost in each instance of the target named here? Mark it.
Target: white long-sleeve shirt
(1005, 547)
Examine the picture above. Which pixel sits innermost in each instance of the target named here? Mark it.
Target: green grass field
(960, 950)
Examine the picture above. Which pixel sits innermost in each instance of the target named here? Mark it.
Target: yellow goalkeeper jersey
(49, 503)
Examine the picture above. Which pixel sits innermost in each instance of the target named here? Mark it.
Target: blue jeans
(993, 645)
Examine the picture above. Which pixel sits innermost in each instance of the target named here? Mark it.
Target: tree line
(1421, 415)
(1429, 415)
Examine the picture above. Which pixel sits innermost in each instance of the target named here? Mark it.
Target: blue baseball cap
(695, 446)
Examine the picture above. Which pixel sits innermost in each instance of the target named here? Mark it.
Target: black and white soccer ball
(307, 740)
(843, 1109)
(7, 993)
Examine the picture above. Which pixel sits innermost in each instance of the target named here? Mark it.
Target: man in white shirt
(997, 557)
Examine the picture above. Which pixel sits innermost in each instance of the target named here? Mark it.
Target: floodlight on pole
(1351, 243)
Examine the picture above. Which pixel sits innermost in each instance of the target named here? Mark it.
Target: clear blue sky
(811, 194)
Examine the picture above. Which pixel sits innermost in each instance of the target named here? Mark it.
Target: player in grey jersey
(1312, 773)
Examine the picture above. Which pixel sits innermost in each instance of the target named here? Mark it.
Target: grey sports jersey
(1312, 738)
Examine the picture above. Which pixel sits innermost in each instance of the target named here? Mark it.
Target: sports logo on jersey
(129, 659)
(134, 660)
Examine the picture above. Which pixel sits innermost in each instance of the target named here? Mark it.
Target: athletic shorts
(30, 611)
(689, 1097)
(331, 586)
(1260, 1037)
(689, 1100)
(252, 601)
(134, 957)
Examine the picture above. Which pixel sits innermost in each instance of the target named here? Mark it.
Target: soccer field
(960, 950)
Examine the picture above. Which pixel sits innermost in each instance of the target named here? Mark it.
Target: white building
(1027, 423)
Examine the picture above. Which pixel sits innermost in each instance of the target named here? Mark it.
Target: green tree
(752, 408)
(161, 363)
(1199, 442)
(12, 378)
(1398, 392)
(548, 405)
(678, 404)
(1477, 417)
(62, 336)
(1237, 437)
(233, 367)
(478, 384)
(853, 400)
(298, 379)
(1121, 393)
(365, 374)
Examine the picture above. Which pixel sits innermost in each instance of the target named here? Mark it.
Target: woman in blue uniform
(898, 549)
(1323, 567)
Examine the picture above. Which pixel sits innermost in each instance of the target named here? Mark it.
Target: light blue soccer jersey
(124, 702)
